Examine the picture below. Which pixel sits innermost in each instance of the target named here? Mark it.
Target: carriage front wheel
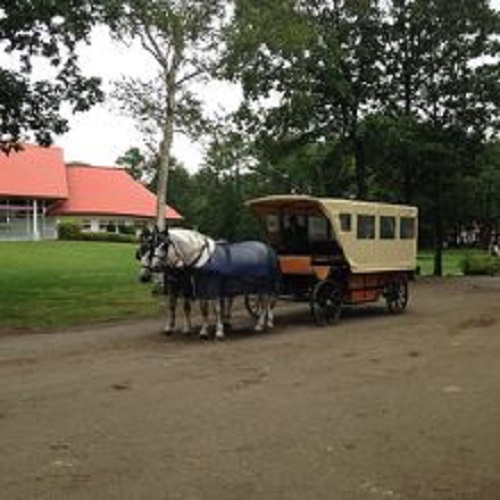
(326, 302)
(396, 295)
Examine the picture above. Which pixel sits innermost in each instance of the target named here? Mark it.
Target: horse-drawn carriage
(335, 252)
(329, 252)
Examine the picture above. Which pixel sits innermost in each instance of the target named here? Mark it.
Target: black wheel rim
(326, 303)
(397, 296)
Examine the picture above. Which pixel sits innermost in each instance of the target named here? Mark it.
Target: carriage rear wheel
(396, 295)
(326, 302)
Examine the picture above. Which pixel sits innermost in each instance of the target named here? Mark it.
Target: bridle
(151, 242)
(147, 247)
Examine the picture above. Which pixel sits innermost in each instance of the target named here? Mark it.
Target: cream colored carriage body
(363, 249)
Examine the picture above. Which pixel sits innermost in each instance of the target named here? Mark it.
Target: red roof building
(107, 191)
(34, 172)
(37, 189)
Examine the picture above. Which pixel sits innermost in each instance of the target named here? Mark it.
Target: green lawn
(452, 260)
(60, 284)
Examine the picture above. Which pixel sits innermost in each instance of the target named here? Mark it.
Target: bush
(480, 265)
(69, 231)
(122, 229)
(110, 237)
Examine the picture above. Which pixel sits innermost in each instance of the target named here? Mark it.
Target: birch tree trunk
(166, 147)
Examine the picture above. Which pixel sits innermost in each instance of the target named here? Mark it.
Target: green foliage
(107, 237)
(452, 261)
(138, 165)
(480, 265)
(390, 101)
(64, 284)
(51, 30)
(130, 230)
(320, 62)
(69, 231)
(398, 96)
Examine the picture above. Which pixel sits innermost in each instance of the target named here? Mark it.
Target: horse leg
(172, 304)
(266, 315)
(186, 329)
(204, 319)
(227, 306)
(219, 313)
(271, 302)
(261, 320)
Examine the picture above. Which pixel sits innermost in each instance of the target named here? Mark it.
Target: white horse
(221, 271)
(176, 283)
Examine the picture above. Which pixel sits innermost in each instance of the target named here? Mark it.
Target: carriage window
(272, 223)
(345, 222)
(318, 228)
(366, 227)
(387, 227)
(407, 228)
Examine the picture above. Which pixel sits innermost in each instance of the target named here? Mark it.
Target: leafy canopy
(44, 30)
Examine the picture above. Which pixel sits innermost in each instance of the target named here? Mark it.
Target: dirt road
(379, 407)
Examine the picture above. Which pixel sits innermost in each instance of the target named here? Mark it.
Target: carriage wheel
(326, 303)
(396, 295)
(253, 305)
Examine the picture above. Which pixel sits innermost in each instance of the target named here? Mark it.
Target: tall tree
(318, 63)
(181, 36)
(51, 30)
(439, 73)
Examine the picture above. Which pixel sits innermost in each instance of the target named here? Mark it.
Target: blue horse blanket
(237, 269)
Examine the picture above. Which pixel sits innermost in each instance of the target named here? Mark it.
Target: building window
(387, 227)
(366, 227)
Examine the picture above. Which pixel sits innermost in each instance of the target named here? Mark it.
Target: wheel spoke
(396, 295)
(326, 303)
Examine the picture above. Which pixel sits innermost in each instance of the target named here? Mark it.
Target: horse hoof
(220, 337)
(168, 332)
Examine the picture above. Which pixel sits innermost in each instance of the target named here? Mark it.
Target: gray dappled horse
(221, 271)
(176, 282)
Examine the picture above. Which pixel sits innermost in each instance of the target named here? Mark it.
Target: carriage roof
(364, 254)
(329, 206)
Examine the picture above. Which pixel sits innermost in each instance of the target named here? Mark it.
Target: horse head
(148, 241)
(163, 256)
